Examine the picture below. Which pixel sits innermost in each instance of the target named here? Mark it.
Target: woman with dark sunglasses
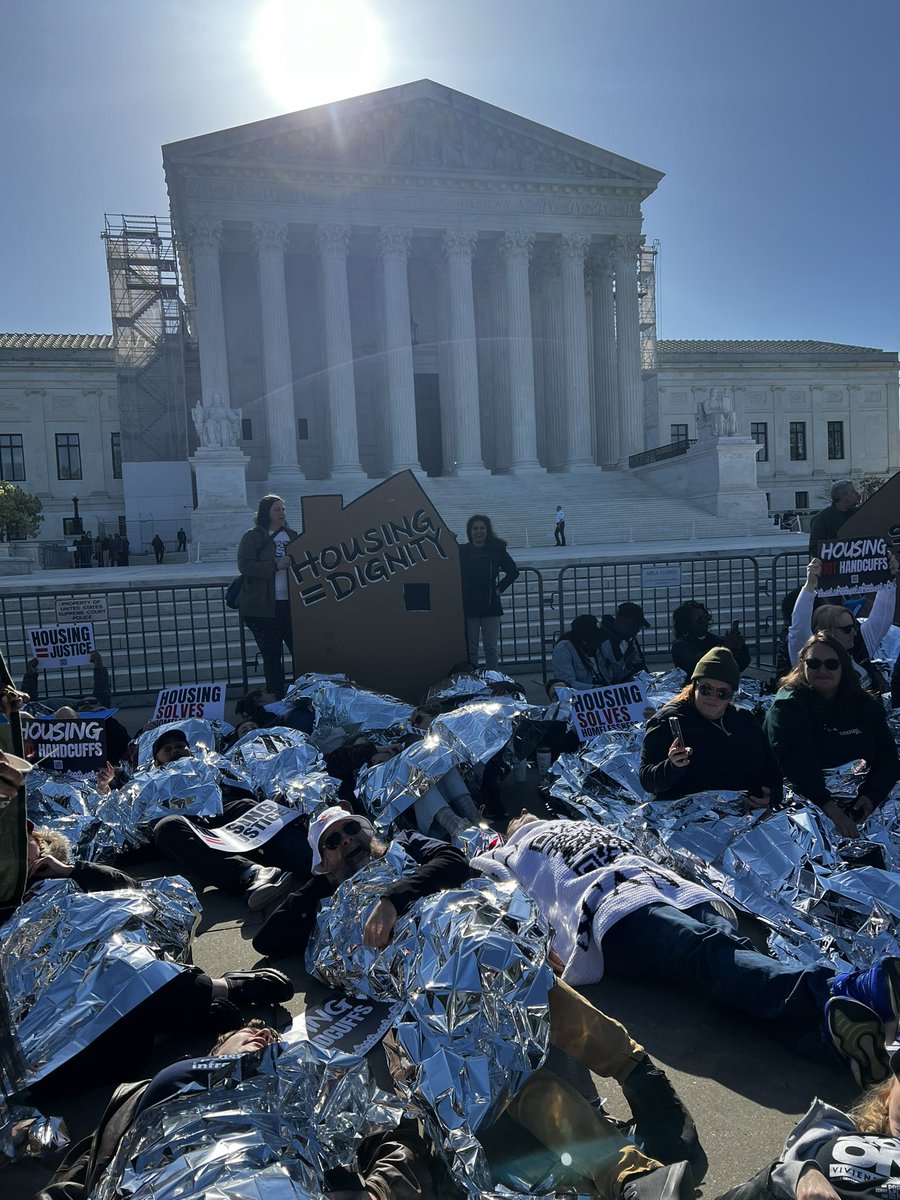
(721, 748)
(823, 718)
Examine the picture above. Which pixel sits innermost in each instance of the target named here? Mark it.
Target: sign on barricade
(61, 645)
(66, 745)
(610, 707)
(249, 831)
(81, 608)
(849, 567)
(661, 577)
(203, 700)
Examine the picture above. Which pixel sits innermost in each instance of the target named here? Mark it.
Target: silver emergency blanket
(388, 789)
(283, 762)
(188, 787)
(26, 1133)
(343, 710)
(479, 730)
(468, 969)
(465, 685)
(201, 737)
(72, 807)
(77, 962)
(263, 1125)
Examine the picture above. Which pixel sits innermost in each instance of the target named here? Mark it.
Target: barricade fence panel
(788, 572)
(523, 629)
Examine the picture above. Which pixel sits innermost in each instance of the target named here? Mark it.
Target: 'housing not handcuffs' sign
(852, 566)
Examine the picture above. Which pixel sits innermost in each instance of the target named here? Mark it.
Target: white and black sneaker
(267, 886)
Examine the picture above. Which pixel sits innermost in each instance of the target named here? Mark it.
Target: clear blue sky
(775, 122)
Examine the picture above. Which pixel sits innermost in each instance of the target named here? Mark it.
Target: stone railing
(660, 453)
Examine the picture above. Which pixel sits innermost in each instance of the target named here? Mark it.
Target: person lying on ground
(615, 911)
(50, 857)
(690, 624)
(860, 638)
(719, 748)
(833, 1155)
(343, 844)
(266, 709)
(823, 718)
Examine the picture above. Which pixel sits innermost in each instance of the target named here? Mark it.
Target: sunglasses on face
(819, 664)
(706, 689)
(333, 840)
(846, 628)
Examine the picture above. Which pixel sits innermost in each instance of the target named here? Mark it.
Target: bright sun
(312, 51)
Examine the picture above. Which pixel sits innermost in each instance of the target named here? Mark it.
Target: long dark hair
(681, 617)
(849, 689)
(495, 543)
(265, 509)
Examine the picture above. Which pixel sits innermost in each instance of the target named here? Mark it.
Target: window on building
(759, 431)
(246, 429)
(115, 449)
(798, 441)
(835, 439)
(303, 429)
(678, 433)
(12, 457)
(73, 528)
(68, 456)
(801, 499)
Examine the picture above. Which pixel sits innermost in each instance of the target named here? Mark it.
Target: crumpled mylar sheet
(469, 969)
(342, 706)
(26, 1133)
(201, 736)
(187, 787)
(75, 962)
(789, 868)
(480, 729)
(265, 1127)
(464, 685)
(71, 807)
(388, 789)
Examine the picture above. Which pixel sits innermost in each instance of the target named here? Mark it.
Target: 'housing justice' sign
(852, 566)
(62, 645)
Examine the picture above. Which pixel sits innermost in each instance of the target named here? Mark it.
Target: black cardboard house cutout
(375, 591)
(879, 517)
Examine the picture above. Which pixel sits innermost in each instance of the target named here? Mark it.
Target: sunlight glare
(310, 52)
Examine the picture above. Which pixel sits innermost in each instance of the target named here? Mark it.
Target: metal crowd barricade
(788, 571)
(728, 586)
(152, 637)
(523, 630)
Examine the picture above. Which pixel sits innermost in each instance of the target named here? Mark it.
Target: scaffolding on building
(149, 328)
(647, 270)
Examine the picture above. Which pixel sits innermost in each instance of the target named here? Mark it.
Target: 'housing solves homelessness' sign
(851, 566)
(610, 707)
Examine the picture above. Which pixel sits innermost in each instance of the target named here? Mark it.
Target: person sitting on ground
(614, 911)
(342, 844)
(721, 748)
(619, 653)
(575, 658)
(823, 718)
(99, 688)
(690, 624)
(266, 710)
(262, 876)
(833, 1155)
(860, 639)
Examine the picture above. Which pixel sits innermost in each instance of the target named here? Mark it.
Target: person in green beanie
(721, 748)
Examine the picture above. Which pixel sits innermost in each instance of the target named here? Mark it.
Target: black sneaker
(268, 886)
(265, 986)
(674, 1182)
(663, 1127)
(857, 1034)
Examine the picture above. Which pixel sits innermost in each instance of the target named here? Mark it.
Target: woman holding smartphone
(701, 743)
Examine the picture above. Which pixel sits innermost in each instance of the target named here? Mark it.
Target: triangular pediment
(420, 126)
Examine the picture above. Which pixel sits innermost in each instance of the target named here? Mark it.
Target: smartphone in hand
(675, 727)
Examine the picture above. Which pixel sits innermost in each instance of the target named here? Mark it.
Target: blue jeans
(697, 950)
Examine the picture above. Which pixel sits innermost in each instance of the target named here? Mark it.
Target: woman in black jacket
(486, 570)
(721, 748)
(263, 600)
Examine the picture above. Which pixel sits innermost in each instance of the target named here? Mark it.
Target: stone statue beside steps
(716, 416)
(218, 426)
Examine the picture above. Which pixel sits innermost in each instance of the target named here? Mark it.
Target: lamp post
(76, 520)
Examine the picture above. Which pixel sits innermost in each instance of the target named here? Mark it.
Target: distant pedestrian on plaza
(486, 570)
(560, 531)
(85, 550)
(263, 600)
(159, 548)
(182, 541)
(98, 550)
(825, 525)
(106, 546)
(122, 548)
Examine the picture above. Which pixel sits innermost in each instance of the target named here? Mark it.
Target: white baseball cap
(319, 826)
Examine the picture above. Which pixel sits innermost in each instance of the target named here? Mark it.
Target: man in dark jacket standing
(825, 525)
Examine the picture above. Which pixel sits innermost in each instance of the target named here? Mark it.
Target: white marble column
(602, 267)
(458, 247)
(205, 241)
(403, 450)
(516, 248)
(270, 239)
(578, 398)
(333, 245)
(628, 348)
(445, 361)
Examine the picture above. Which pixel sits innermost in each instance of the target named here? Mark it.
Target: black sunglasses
(706, 689)
(846, 628)
(333, 840)
(817, 664)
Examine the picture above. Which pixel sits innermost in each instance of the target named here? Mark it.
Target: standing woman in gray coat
(263, 601)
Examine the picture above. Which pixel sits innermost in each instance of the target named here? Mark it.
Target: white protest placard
(203, 700)
(61, 645)
(613, 706)
(853, 565)
(249, 831)
(81, 608)
(661, 577)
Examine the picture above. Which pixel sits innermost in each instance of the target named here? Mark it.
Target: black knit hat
(718, 663)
